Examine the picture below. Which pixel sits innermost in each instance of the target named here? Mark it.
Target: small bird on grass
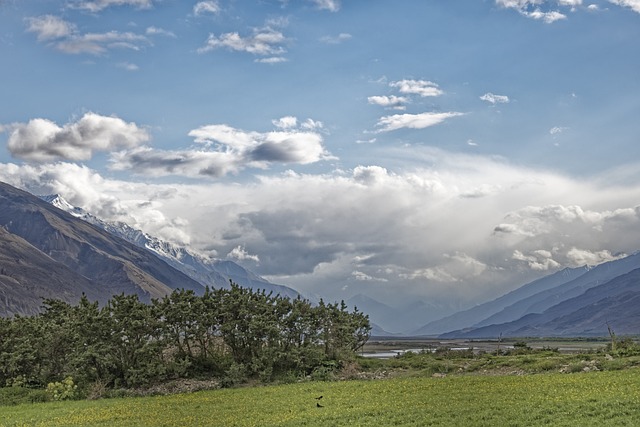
(319, 405)
(318, 398)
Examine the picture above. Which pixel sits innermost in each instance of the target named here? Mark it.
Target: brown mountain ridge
(46, 252)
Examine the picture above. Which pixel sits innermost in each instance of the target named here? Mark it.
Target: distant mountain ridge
(583, 306)
(215, 273)
(476, 315)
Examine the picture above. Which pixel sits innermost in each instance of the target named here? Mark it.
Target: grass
(609, 398)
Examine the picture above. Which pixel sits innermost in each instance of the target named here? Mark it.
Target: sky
(437, 151)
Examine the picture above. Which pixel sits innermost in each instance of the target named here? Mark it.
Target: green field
(580, 399)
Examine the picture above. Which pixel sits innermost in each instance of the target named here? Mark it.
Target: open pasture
(581, 399)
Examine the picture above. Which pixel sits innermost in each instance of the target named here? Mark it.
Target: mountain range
(572, 302)
(207, 271)
(49, 252)
(51, 249)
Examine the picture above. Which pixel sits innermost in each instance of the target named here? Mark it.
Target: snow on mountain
(208, 271)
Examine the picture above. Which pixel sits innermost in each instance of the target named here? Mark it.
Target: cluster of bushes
(518, 358)
(232, 334)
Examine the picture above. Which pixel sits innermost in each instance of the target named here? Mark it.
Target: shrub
(236, 374)
(65, 390)
(322, 373)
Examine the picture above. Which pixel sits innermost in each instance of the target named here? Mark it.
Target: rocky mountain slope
(207, 271)
(75, 255)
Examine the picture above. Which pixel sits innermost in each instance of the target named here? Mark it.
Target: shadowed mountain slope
(207, 271)
(615, 303)
(473, 316)
(112, 265)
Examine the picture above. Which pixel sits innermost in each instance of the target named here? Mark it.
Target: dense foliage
(232, 334)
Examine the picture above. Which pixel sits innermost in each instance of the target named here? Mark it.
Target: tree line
(127, 343)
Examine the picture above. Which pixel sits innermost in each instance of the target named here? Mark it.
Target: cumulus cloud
(42, 140)
(631, 4)
(495, 99)
(64, 37)
(395, 102)
(581, 257)
(224, 149)
(423, 88)
(534, 9)
(413, 121)
(264, 41)
(205, 7)
(540, 260)
(240, 253)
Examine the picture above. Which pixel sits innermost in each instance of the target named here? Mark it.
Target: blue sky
(441, 150)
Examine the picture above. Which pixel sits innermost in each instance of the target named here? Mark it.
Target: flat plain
(610, 398)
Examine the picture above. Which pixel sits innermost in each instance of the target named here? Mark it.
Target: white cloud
(48, 27)
(571, 3)
(271, 60)
(64, 37)
(336, 39)
(547, 17)
(128, 66)
(392, 101)
(204, 7)
(42, 140)
(495, 99)
(99, 5)
(239, 253)
(413, 121)
(364, 277)
(423, 88)
(557, 129)
(152, 31)
(631, 4)
(263, 41)
(286, 122)
(228, 150)
(307, 229)
(533, 8)
(581, 257)
(539, 260)
(99, 43)
(330, 5)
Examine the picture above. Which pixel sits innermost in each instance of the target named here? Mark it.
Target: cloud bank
(464, 228)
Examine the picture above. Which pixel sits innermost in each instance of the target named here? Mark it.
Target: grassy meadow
(610, 398)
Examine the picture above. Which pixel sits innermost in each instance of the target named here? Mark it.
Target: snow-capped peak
(200, 267)
(59, 202)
